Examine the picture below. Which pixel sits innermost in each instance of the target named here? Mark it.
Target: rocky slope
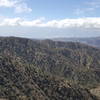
(40, 69)
(20, 81)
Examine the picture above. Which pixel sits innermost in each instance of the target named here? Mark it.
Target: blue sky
(54, 9)
(50, 18)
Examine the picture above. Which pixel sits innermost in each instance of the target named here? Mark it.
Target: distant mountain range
(93, 41)
(48, 70)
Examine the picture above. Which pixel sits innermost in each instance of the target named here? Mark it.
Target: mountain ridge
(76, 63)
(92, 41)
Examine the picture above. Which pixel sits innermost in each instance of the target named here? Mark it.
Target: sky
(50, 18)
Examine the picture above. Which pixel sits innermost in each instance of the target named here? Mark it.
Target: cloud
(11, 22)
(18, 5)
(95, 4)
(41, 28)
(91, 22)
(22, 8)
(7, 3)
(89, 7)
(84, 11)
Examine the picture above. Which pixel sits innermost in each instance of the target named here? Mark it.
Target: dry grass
(96, 91)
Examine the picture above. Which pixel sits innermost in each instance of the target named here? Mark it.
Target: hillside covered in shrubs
(48, 70)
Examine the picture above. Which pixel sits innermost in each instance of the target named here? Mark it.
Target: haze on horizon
(50, 18)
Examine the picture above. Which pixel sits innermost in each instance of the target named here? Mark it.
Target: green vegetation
(47, 70)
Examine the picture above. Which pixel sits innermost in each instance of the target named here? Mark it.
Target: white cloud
(18, 5)
(89, 7)
(7, 3)
(84, 11)
(40, 28)
(64, 23)
(22, 8)
(11, 22)
(94, 3)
